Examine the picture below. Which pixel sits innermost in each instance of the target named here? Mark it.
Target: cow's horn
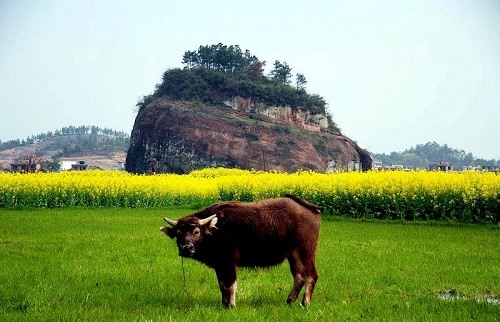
(171, 222)
(205, 221)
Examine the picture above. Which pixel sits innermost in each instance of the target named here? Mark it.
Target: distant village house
(488, 168)
(79, 166)
(66, 165)
(443, 166)
(25, 167)
(377, 165)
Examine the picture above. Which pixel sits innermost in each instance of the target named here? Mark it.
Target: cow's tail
(306, 204)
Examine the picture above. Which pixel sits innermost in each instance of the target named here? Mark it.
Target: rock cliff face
(179, 137)
(312, 122)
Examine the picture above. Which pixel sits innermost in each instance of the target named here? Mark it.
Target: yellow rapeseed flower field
(467, 196)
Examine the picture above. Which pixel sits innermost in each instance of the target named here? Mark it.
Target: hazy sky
(394, 73)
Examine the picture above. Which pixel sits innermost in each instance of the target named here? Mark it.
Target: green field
(113, 264)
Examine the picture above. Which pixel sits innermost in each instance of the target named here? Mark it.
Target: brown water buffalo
(232, 234)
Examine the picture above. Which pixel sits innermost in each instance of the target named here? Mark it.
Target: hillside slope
(57, 147)
(179, 136)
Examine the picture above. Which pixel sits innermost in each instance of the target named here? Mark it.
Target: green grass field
(114, 264)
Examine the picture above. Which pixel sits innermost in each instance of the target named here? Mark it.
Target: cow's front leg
(227, 284)
(228, 293)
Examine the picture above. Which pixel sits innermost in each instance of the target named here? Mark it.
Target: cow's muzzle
(186, 250)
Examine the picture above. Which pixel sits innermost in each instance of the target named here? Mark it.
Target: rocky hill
(181, 136)
(221, 110)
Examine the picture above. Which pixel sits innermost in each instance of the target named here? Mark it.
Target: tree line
(114, 139)
(223, 58)
(232, 60)
(422, 155)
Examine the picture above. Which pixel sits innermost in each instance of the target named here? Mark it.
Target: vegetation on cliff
(216, 73)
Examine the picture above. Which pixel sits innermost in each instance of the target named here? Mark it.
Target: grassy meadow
(98, 264)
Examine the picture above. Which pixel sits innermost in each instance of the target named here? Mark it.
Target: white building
(66, 164)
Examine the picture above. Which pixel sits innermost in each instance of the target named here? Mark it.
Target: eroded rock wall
(178, 137)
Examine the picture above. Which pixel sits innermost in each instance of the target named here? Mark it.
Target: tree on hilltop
(281, 72)
(222, 58)
(300, 81)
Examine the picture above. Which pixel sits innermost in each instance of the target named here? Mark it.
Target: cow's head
(189, 232)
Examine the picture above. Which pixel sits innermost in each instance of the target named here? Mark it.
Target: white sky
(394, 73)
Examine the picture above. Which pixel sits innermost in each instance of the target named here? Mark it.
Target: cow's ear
(168, 231)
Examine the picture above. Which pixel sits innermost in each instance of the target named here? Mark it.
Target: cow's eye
(196, 232)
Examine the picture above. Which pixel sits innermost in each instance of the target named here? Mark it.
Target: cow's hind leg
(311, 276)
(296, 268)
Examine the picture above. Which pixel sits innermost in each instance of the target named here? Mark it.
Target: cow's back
(265, 232)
